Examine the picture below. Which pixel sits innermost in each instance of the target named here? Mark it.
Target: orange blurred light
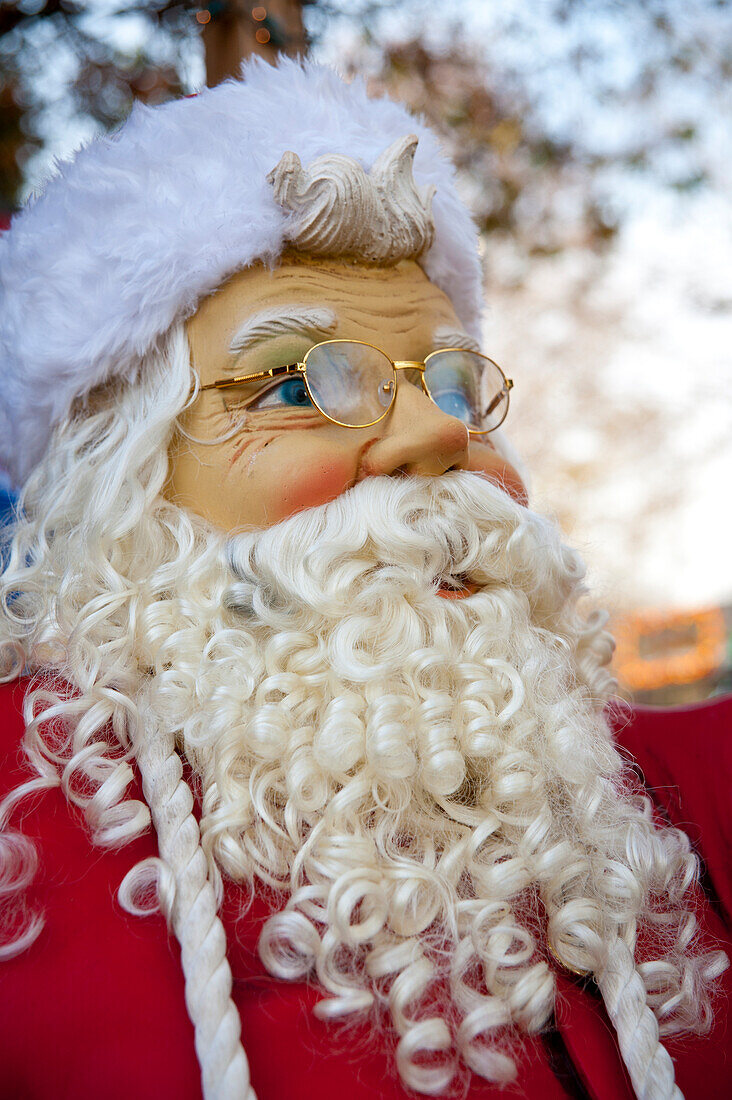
(203, 16)
(259, 14)
(644, 663)
(262, 35)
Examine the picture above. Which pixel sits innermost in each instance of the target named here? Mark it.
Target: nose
(417, 438)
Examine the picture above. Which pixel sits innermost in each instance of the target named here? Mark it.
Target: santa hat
(139, 226)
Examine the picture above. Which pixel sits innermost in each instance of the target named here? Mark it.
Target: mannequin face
(282, 458)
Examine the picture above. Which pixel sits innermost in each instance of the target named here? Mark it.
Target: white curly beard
(430, 784)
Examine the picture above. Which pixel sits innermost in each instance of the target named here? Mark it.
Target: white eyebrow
(310, 321)
(444, 336)
(318, 321)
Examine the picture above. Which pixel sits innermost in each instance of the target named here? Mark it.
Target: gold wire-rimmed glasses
(353, 383)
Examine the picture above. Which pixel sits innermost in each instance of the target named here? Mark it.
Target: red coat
(95, 1008)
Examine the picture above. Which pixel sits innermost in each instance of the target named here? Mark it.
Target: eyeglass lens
(354, 384)
(350, 382)
(468, 386)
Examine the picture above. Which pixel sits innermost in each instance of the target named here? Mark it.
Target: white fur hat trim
(139, 226)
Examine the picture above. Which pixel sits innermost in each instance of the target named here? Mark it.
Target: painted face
(279, 455)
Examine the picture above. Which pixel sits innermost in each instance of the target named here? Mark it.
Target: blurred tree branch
(42, 39)
(519, 180)
(105, 76)
(236, 29)
(84, 61)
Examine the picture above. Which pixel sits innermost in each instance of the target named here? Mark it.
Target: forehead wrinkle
(403, 312)
(287, 320)
(367, 294)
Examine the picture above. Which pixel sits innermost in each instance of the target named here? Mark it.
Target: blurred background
(593, 140)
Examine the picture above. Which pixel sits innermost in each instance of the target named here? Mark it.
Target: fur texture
(139, 226)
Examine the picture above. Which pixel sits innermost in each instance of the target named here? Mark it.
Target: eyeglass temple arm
(259, 376)
(507, 385)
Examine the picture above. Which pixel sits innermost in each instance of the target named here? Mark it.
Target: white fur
(139, 226)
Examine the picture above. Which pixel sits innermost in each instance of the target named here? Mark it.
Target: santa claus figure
(294, 650)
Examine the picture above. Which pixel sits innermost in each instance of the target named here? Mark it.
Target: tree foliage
(541, 105)
(518, 179)
(77, 62)
(561, 116)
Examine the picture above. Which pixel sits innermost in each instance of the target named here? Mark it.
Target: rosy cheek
(309, 487)
(485, 460)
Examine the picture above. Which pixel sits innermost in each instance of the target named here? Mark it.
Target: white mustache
(401, 536)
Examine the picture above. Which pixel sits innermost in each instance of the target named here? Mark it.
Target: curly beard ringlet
(429, 786)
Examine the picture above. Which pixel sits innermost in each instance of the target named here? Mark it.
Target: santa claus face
(254, 466)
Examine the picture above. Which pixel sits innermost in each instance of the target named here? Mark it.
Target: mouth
(457, 589)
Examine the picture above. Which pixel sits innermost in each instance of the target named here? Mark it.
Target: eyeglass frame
(396, 364)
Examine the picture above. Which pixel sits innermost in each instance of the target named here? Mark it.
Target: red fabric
(685, 756)
(96, 1007)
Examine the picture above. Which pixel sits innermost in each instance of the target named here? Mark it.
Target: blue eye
(292, 391)
(456, 403)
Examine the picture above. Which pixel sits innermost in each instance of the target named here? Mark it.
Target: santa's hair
(114, 599)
